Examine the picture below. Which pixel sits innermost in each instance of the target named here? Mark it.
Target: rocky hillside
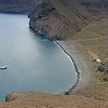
(18, 6)
(59, 19)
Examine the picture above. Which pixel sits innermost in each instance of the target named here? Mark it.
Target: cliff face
(18, 6)
(59, 19)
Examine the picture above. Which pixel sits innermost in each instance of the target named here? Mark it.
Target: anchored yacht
(4, 67)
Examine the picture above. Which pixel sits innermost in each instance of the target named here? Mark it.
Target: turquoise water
(34, 63)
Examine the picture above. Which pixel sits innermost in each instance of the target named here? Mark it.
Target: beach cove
(22, 51)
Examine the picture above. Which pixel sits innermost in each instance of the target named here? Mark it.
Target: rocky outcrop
(103, 68)
(59, 19)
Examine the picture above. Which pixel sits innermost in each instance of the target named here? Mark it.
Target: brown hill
(62, 18)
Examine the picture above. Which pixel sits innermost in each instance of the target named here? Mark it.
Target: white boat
(4, 67)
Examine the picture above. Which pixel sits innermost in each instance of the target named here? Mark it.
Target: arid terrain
(40, 100)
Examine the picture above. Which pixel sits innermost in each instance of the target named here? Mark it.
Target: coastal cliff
(60, 19)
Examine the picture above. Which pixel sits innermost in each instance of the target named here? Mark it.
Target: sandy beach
(83, 63)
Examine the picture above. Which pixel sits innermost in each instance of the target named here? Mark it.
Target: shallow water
(34, 63)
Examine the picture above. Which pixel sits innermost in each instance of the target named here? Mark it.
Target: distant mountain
(18, 6)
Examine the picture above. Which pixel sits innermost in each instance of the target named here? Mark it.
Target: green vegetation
(95, 38)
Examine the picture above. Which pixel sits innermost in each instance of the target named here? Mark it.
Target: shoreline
(84, 70)
(69, 91)
(82, 65)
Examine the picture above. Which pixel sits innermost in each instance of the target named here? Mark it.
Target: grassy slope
(95, 38)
